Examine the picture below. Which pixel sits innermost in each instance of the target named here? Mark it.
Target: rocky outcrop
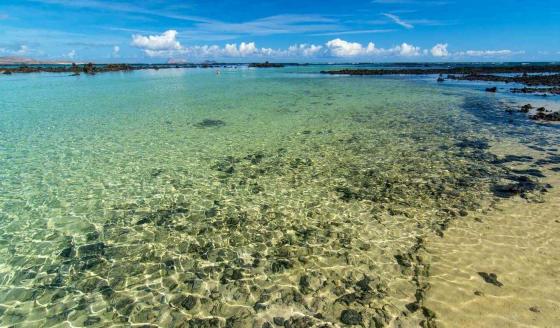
(266, 65)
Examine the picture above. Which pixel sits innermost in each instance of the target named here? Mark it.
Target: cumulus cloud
(440, 50)
(306, 50)
(71, 54)
(406, 50)
(164, 42)
(244, 50)
(167, 45)
(342, 48)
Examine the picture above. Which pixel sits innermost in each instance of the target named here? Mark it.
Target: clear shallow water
(302, 196)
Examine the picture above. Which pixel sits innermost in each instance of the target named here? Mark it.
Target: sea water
(250, 198)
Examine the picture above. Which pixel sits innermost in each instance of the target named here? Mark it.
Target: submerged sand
(519, 243)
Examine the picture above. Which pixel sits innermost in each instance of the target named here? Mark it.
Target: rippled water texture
(246, 199)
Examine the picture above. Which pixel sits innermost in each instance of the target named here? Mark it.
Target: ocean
(249, 198)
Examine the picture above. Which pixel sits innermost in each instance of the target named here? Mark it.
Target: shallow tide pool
(252, 198)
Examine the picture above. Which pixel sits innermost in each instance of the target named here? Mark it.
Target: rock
(267, 325)
(231, 275)
(67, 252)
(490, 278)
(260, 307)
(478, 293)
(492, 89)
(211, 212)
(89, 69)
(280, 265)
(299, 322)
(279, 321)
(204, 323)
(304, 284)
(521, 187)
(208, 123)
(535, 309)
(7, 73)
(440, 79)
(95, 249)
(265, 65)
(351, 317)
(526, 108)
(542, 116)
(91, 321)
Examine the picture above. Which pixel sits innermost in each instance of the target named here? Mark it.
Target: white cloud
(244, 50)
(306, 50)
(21, 50)
(399, 21)
(488, 53)
(164, 42)
(342, 48)
(166, 45)
(406, 50)
(71, 54)
(440, 50)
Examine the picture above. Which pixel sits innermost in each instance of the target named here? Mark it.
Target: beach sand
(519, 242)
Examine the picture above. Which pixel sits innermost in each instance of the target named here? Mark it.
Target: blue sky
(299, 31)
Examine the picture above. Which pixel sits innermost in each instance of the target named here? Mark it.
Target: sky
(281, 31)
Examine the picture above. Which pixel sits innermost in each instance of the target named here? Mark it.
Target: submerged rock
(95, 249)
(535, 309)
(490, 278)
(208, 123)
(351, 317)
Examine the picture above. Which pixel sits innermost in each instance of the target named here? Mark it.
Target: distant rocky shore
(91, 68)
(472, 71)
(530, 75)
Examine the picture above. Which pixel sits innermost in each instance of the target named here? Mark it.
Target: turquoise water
(186, 198)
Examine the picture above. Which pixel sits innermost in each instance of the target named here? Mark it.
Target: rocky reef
(91, 68)
(266, 65)
(468, 71)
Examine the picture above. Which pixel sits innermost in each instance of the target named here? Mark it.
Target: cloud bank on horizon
(166, 45)
(369, 30)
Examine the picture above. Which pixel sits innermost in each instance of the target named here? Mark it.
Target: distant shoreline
(92, 69)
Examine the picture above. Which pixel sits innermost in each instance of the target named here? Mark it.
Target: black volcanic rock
(265, 65)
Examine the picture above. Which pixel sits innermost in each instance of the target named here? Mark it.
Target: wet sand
(519, 242)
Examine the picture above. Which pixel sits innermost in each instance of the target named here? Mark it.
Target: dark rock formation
(490, 278)
(543, 116)
(266, 65)
(473, 71)
(208, 123)
(493, 89)
(351, 317)
(544, 91)
(526, 108)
